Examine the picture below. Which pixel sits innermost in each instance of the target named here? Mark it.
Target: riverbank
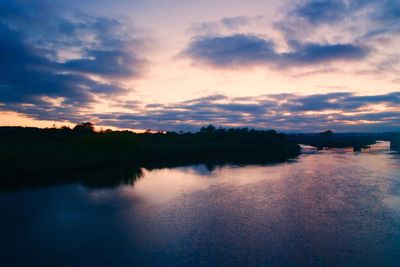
(330, 140)
(33, 156)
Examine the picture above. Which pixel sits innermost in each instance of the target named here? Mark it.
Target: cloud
(231, 50)
(235, 22)
(331, 11)
(380, 16)
(242, 50)
(226, 24)
(325, 11)
(109, 63)
(305, 33)
(55, 60)
(342, 111)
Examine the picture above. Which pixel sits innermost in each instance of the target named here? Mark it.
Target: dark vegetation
(34, 156)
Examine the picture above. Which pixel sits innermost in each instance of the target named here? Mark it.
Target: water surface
(326, 208)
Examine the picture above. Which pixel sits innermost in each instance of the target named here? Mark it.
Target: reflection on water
(328, 208)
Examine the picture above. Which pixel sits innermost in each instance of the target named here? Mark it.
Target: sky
(293, 66)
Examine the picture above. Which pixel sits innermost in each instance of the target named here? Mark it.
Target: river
(325, 208)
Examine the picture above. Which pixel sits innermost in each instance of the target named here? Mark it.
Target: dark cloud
(234, 50)
(48, 52)
(316, 53)
(246, 50)
(383, 15)
(110, 63)
(320, 11)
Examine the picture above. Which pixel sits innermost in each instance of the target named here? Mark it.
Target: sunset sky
(293, 66)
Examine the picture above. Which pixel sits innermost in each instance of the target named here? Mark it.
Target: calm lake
(325, 208)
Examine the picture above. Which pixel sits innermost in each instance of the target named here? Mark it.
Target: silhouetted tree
(84, 127)
(208, 130)
(65, 128)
